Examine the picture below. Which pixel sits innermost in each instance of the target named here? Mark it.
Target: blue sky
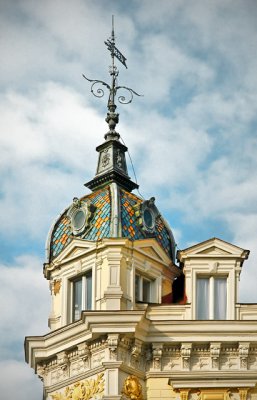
(192, 137)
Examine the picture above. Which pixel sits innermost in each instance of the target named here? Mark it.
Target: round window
(79, 220)
(148, 219)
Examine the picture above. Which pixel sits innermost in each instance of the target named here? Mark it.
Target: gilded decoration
(83, 390)
(56, 286)
(132, 388)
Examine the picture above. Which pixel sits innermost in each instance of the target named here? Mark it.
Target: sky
(191, 136)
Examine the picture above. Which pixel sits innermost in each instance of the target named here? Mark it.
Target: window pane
(77, 299)
(202, 298)
(89, 291)
(220, 298)
(146, 291)
(137, 288)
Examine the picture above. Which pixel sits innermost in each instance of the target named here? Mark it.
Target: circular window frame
(77, 228)
(149, 227)
(78, 207)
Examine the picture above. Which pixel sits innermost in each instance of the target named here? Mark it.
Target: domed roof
(111, 210)
(108, 212)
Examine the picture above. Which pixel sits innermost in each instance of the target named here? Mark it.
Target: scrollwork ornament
(97, 92)
(123, 99)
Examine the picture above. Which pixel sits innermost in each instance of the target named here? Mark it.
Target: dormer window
(211, 297)
(81, 295)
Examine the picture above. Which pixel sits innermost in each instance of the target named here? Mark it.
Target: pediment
(152, 252)
(152, 249)
(214, 247)
(214, 251)
(75, 249)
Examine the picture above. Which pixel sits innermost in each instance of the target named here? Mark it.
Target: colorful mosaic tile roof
(163, 236)
(130, 226)
(100, 224)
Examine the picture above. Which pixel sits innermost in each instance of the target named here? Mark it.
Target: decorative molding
(83, 390)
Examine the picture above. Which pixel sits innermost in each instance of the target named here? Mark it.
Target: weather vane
(112, 117)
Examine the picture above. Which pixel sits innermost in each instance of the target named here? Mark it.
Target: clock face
(148, 218)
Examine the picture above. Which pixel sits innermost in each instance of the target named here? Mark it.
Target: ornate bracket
(157, 355)
(243, 354)
(186, 349)
(215, 354)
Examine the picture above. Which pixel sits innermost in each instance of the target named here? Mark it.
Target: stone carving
(41, 371)
(112, 341)
(157, 356)
(196, 395)
(243, 354)
(136, 349)
(83, 390)
(132, 388)
(186, 350)
(119, 159)
(233, 394)
(105, 158)
(215, 354)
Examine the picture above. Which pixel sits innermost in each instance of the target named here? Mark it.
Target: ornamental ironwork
(112, 117)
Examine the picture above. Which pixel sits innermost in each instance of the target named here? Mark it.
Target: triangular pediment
(152, 249)
(214, 250)
(152, 252)
(213, 247)
(75, 249)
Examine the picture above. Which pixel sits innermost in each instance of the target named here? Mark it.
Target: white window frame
(143, 278)
(84, 305)
(211, 279)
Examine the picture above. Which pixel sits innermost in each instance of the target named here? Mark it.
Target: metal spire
(112, 117)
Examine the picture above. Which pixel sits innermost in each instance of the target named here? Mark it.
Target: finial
(112, 117)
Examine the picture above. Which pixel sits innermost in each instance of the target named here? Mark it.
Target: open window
(211, 297)
(143, 289)
(81, 295)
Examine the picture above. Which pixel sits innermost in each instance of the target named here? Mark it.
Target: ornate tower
(109, 255)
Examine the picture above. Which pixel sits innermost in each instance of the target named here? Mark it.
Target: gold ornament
(83, 390)
(132, 388)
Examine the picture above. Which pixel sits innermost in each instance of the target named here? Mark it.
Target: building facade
(131, 317)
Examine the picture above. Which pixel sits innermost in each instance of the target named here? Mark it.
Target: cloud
(25, 300)
(46, 154)
(16, 380)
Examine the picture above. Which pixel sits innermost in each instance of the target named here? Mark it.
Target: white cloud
(17, 381)
(25, 301)
(47, 154)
